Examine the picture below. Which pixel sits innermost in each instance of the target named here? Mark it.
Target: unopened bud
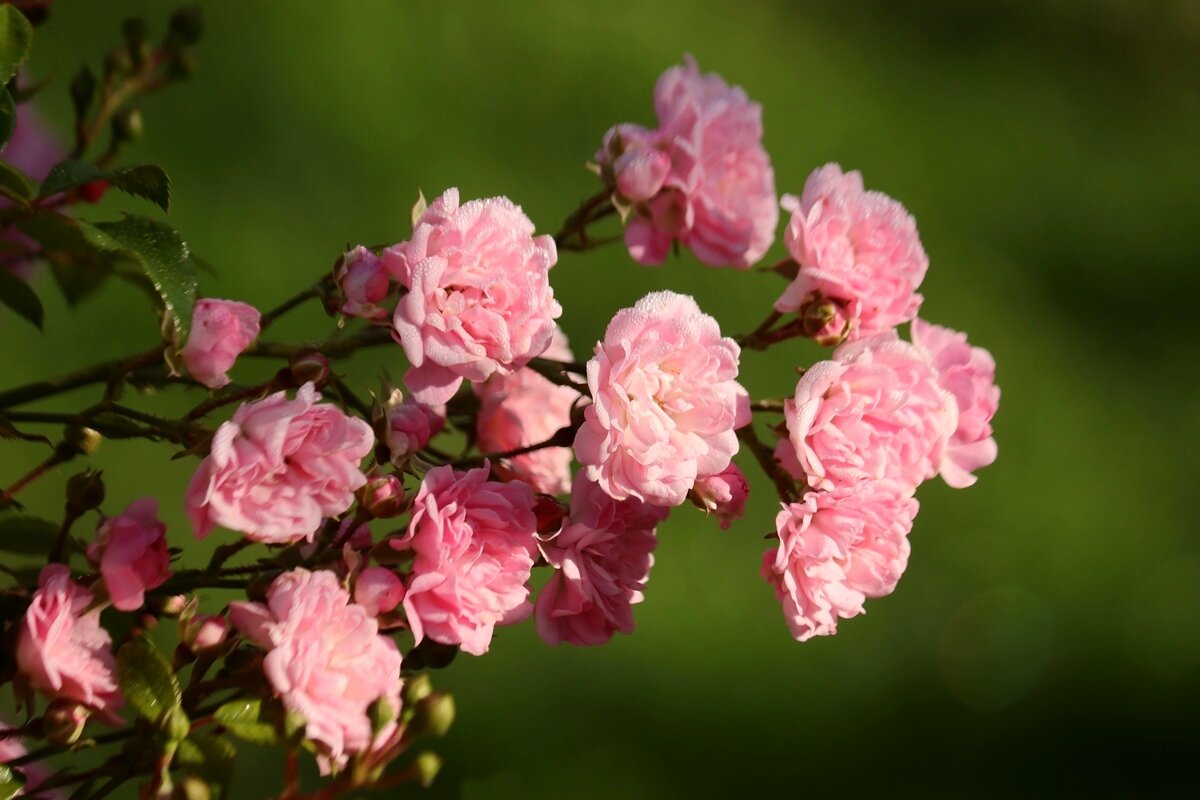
(416, 689)
(427, 765)
(382, 497)
(191, 787)
(202, 632)
(83, 90)
(134, 29)
(187, 25)
(118, 61)
(127, 125)
(85, 491)
(434, 714)
(381, 714)
(309, 365)
(824, 321)
(173, 605)
(550, 513)
(63, 722)
(80, 439)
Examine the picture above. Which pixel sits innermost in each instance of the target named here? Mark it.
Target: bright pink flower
(525, 408)
(723, 494)
(479, 300)
(474, 545)
(221, 330)
(411, 424)
(835, 550)
(874, 411)
(62, 650)
(326, 660)
(602, 559)
(701, 177)
(278, 468)
(131, 551)
(856, 248)
(12, 748)
(968, 373)
(364, 283)
(665, 401)
(378, 590)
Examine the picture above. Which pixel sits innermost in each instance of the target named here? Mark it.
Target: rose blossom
(701, 177)
(526, 408)
(378, 590)
(12, 748)
(131, 551)
(874, 411)
(479, 300)
(723, 494)
(364, 283)
(62, 650)
(602, 558)
(221, 330)
(835, 550)
(968, 373)
(410, 425)
(858, 249)
(278, 468)
(474, 545)
(326, 659)
(665, 401)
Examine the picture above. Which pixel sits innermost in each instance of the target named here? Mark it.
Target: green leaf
(164, 256)
(14, 184)
(208, 756)
(78, 267)
(8, 113)
(148, 181)
(146, 680)
(11, 783)
(244, 719)
(16, 37)
(25, 535)
(16, 294)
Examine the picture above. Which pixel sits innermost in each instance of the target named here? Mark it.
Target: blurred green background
(1046, 637)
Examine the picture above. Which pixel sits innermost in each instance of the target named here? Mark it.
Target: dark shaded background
(1046, 637)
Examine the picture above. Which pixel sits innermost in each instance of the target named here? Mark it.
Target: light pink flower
(602, 559)
(701, 177)
(131, 551)
(874, 411)
(62, 650)
(665, 401)
(969, 374)
(411, 424)
(221, 330)
(474, 545)
(12, 748)
(326, 660)
(856, 248)
(278, 468)
(479, 300)
(525, 408)
(835, 550)
(364, 283)
(202, 632)
(378, 590)
(723, 494)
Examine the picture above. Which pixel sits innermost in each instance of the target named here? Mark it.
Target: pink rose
(855, 248)
(665, 401)
(874, 411)
(969, 374)
(221, 330)
(474, 545)
(602, 558)
(131, 551)
(62, 650)
(326, 659)
(364, 283)
(203, 632)
(701, 177)
(479, 300)
(411, 424)
(525, 408)
(378, 590)
(278, 468)
(723, 494)
(12, 748)
(835, 550)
